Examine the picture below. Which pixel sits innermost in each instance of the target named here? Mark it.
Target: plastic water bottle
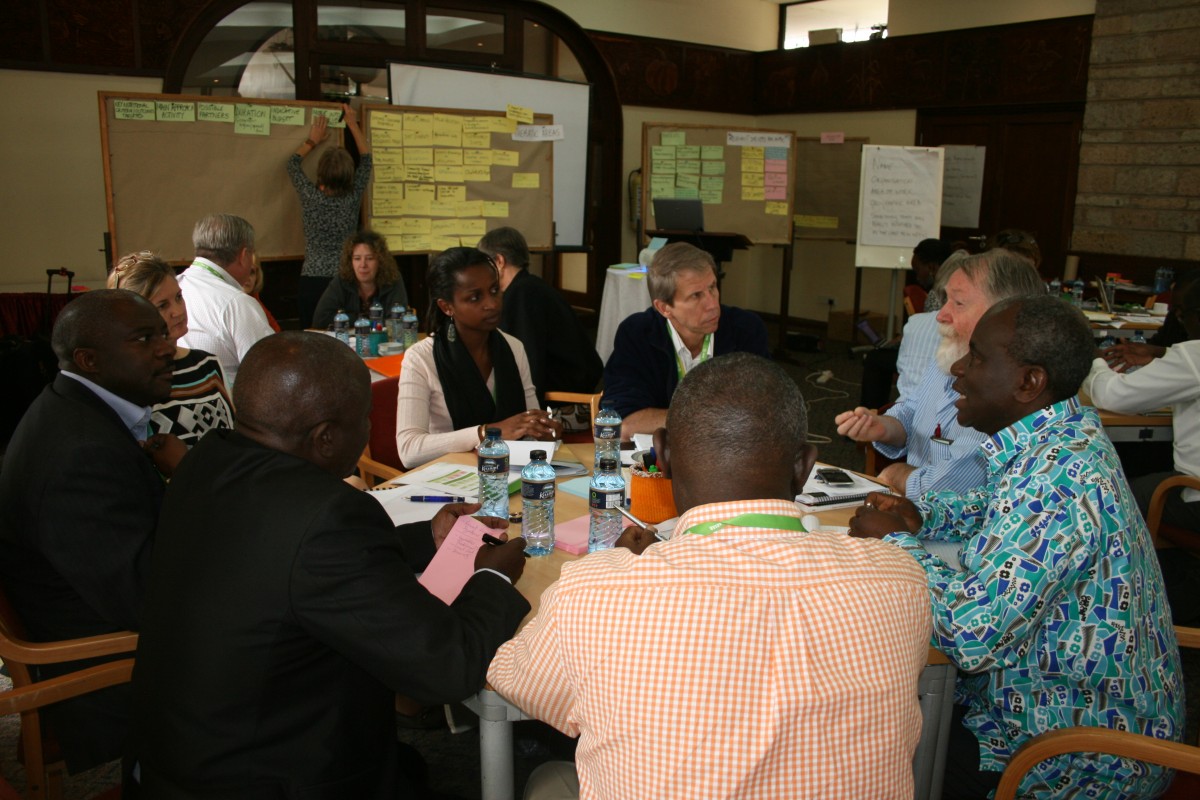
(606, 494)
(1055, 288)
(1077, 293)
(410, 327)
(395, 323)
(376, 314)
(362, 335)
(341, 326)
(537, 505)
(607, 433)
(493, 475)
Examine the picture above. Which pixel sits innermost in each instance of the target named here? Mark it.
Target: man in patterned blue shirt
(1057, 615)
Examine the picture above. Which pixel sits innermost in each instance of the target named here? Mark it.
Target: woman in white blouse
(467, 375)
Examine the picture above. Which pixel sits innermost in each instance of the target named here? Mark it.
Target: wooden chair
(44, 769)
(1172, 534)
(380, 460)
(1088, 739)
(592, 400)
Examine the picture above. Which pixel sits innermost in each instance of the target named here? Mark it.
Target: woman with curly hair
(367, 272)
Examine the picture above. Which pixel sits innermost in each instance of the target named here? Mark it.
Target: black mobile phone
(834, 477)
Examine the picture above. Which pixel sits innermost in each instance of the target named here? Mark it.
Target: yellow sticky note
(477, 158)
(440, 243)
(526, 180)
(495, 208)
(478, 140)
(418, 155)
(673, 137)
(476, 172)
(503, 125)
(469, 208)
(519, 114)
(213, 112)
(287, 115)
(776, 207)
(415, 243)
(752, 193)
(420, 191)
(255, 120)
(418, 172)
(445, 227)
(473, 125)
(385, 121)
(386, 191)
(753, 165)
(415, 225)
(472, 227)
(142, 110)
(444, 157)
(416, 206)
(447, 130)
(388, 155)
(449, 173)
(456, 193)
(173, 111)
(814, 221)
(443, 208)
(505, 158)
(752, 179)
(388, 226)
(754, 152)
(387, 137)
(389, 173)
(418, 130)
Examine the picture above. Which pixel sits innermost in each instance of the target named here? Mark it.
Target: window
(249, 53)
(858, 20)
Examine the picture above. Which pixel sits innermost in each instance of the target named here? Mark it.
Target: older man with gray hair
(222, 318)
(685, 326)
(923, 428)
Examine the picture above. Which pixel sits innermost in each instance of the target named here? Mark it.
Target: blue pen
(436, 498)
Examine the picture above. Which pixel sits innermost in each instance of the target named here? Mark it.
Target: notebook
(820, 496)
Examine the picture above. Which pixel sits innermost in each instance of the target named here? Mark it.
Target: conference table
(935, 688)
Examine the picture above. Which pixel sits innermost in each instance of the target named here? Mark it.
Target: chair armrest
(372, 471)
(1159, 499)
(1086, 739)
(592, 400)
(54, 690)
(106, 644)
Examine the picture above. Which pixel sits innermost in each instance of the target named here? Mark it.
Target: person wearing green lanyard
(222, 318)
(685, 326)
(726, 650)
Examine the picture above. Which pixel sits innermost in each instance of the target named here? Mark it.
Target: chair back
(383, 422)
(12, 638)
(592, 401)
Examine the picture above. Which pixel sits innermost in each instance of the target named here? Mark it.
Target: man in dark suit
(79, 499)
(283, 614)
(561, 355)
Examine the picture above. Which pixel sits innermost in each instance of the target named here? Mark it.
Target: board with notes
(444, 177)
(171, 159)
(743, 177)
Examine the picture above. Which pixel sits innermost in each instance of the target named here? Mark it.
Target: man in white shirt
(222, 318)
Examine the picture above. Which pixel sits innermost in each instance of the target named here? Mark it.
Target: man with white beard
(922, 429)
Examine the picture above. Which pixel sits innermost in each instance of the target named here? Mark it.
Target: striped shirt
(744, 663)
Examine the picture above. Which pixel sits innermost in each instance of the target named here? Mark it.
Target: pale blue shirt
(917, 351)
(946, 455)
(135, 417)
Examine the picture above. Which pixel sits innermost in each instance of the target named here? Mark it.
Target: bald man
(697, 669)
(79, 499)
(284, 615)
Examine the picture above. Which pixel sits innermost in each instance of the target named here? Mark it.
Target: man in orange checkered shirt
(745, 657)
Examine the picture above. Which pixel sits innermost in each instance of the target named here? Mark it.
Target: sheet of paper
(333, 115)
(287, 115)
(142, 110)
(214, 112)
(519, 113)
(174, 111)
(399, 508)
(454, 562)
(255, 120)
(675, 138)
(572, 536)
(455, 479)
(519, 452)
(526, 180)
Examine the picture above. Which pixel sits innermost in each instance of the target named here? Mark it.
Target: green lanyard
(771, 521)
(216, 274)
(705, 352)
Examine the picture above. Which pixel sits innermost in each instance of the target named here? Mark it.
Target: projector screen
(568, 102)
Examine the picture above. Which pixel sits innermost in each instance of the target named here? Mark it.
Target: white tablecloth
(625, 293)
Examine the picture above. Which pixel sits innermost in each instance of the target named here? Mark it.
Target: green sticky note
(287, 115)
(175, 111)
(662, 151)
(142, 110)
(712, 152)
(710, 196)
(688, 151)
(683, 181)
(332, 114)
(662, 166)
(664, 183)
(687, 194)
(692, 167)
(254, 120)
(712, 167)
(712, 184)
(214, 112)
(674, 137)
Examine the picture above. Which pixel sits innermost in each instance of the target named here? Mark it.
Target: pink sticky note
(454, 562)
(775, 193)
(572, 536)
(775, 179)
(833, 137)
(775, 165)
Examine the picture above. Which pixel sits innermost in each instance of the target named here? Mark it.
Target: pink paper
(775, 193)
(775, 165)
(572, 536)
(776, 179)
(454, 562)
(833, 137)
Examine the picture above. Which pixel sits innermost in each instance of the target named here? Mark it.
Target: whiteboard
(899, 203)
(962, 188)
(569, 103)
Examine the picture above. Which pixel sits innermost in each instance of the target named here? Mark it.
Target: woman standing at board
(467, 375)
(329, 207)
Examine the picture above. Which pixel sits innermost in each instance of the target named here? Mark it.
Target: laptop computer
(678, 215)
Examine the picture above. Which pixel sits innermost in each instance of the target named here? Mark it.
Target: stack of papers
(818, 496)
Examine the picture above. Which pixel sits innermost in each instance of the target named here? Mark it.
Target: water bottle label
(607, 431)
(532, 490)
(490, 465)
(598, 498)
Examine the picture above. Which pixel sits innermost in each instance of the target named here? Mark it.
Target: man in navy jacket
(685, 325)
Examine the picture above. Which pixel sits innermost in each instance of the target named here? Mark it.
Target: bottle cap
(608, 463)
(537, 455)
(492, 432)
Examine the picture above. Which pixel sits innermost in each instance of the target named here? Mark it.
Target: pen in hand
(491, 540)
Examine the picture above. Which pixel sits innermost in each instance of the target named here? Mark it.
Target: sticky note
(712, 167)
(332, 114)
(448, 157)
(662, 166)
(710, 196)
(443, 208)
(814, 221)
(495, 208)
(287, 115)
(455, 193)
(416, 243)
(448, 173)
(505, 158)
(687, 181)
(712, 152)
(173, 111)
(688, 151)
(254, 120)
(385, 121)
(387, 137)
(775, 193)
(777, 208)
(214, 112)
(752, 179)
(418, 155)
(420, 191)
(477, 157)
(142, 110)
(752, 193)
(393, 156)
(479, 141)
(662, 151)
(417, 172)
(519, 113)
(415, 225)
(418, 130)
(712, 184)
(477, 172)
(526, 180)
(673, 137)
(469, 208)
